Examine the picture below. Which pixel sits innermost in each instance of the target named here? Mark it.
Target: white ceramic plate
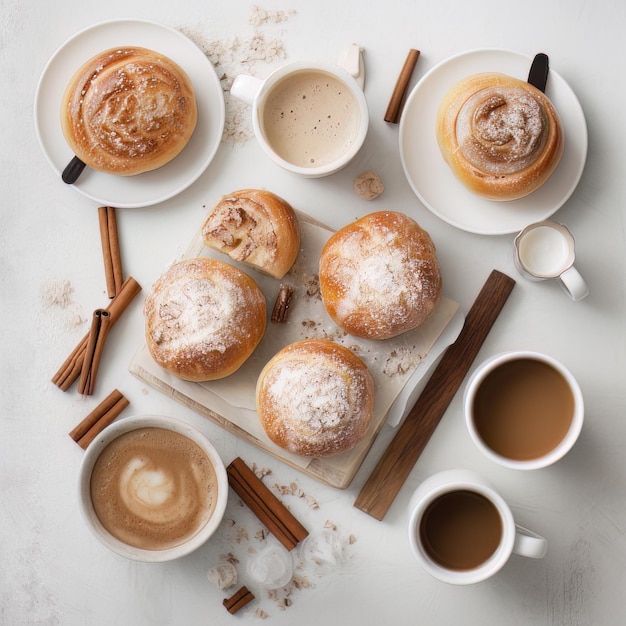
(151, 187)
(434, 183)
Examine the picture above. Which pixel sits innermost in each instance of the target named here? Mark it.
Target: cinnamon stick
(396, 103)
(280, 312)
(100, 326)
(402, 453)
(105, 413)
(238, 600)
(265, 505)
(110, 250)
(72, 366)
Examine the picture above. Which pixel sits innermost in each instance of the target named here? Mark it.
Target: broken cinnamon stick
(280, 311)
(103, 415)
(396, 103)
(100, 326)
(71, 369)
(265, 505)
(110, 250)
(238, 600)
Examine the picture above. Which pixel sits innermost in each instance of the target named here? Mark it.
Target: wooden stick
(105, 413)
(72, 366)
(396, 463)
(265, 505)
(110, 250)
(396, 103)
(238, 600)
(100, 326)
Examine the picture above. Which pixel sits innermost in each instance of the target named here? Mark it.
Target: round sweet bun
(255, 227)
(315, 398)
(128, 111)
(379, 276)
(501, 136)
(203, 319)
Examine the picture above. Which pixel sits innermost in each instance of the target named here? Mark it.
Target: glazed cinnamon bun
(501, 136)
(128, 110)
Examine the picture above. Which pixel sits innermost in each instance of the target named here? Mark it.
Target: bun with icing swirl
(128, 111)
(501, 136)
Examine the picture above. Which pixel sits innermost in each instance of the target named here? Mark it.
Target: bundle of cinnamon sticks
(84, 360)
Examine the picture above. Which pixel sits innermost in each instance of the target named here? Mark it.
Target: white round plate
(151, 187)
(434, 183)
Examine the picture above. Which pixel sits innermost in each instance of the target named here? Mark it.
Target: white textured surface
(54, 572)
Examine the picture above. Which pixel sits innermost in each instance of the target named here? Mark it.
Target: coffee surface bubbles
(153, 488)
(310, 119)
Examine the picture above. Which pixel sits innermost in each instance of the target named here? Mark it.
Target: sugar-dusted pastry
(255, 227)
(315, 398)
(203, 319)
(501, 136)
(379, 276)
(128, 110)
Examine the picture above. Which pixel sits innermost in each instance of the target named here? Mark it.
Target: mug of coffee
(523, 409)
(461, 530)
(152, 488)
(544, 251)
(310, 117)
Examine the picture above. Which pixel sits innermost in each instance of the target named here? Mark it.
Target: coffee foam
(310, 118)
(153, 488)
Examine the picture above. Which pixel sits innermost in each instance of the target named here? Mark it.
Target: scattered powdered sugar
(260, 16)
(57, 294)
(241, 55)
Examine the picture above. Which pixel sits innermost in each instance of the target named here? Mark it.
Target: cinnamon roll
(128, 110)
(379, 276)
(501, 136)
(315, 398)
(254, 227)
(203, 319)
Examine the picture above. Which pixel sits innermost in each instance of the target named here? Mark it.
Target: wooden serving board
(397, 365)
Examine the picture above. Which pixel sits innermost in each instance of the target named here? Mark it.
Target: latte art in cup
(153, 488)
(310, 118)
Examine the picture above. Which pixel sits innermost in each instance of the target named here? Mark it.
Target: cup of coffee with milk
(523, 409)
(309, 117)
(152, 488)
(461, 530)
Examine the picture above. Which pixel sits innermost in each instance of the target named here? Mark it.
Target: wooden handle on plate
(396, 463)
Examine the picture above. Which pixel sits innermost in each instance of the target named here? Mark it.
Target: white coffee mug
(432, 555)
(145, 479)
(299, 137)
(523, 409)
(544, 251)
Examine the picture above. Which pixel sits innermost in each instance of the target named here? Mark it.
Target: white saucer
(434, 183)
(151, 187)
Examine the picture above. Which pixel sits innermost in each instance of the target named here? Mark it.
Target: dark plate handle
(538, 75)
(72, 171)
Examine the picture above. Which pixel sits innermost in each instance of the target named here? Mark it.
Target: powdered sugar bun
(203, 319)
(379, 276)
(128, 110)
(501, 136)
(255, 227)
(315, 398)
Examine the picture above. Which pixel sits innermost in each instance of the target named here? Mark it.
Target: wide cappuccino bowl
(152, 481)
